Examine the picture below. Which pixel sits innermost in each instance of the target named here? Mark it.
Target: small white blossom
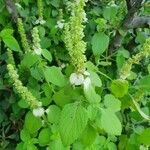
(60, 24)
(38, 51)
(87, 83)
(76, 79)
(86, 73)
(40, 21)
(38, 112)
(142, 147)
(62, 66)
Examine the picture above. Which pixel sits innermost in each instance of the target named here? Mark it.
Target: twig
(10, 5)
(130, 22)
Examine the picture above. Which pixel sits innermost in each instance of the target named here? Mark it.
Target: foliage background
(104, 17)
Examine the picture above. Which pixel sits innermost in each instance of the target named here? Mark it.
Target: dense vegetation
(74, 74)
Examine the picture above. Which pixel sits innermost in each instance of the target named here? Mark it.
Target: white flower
(62, 66)
(38, 112)
(86, 73)
(60, 24)
(38, 51)
(76, 79)
(40, 21)
(87, 83)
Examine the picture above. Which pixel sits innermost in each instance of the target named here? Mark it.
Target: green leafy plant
(74, 76)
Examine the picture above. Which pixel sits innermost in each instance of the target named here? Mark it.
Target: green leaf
(11, 43)
(29, 59)
(109, 13)
(88, 135)
(95, 79)
(144, 138)
(72, 122)
(55, 76)
(36, 73)
(23, 104)
(66, 95)
(57, 145)
(112, 103)
(110, 123)
(120, 58)
(47, 55)
(6, 32)
(100, 42)
(119, 87)
(91, 95)
(53, 114)
(32, 123)
(144, 83)
(44, 136)
(24, 135)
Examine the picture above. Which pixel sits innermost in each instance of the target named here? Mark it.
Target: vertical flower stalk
(126, 69)
(22, 90)
(10, 58)
(73, 36)
(36, 41)
(24, 40)
(40, 12)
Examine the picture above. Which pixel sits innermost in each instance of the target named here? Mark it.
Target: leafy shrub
(74, 75)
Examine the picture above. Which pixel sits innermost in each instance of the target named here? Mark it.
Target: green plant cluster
(62, 87)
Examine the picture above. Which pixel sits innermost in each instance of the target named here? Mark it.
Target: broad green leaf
(32, 123)
(20, 146)
(47, 55)
(91, 95)
(66, 95)
(47, 89)
(112, 103)
(144, 83)
(23, 104)
(44, 136)
(24, 135)
(120, 58)
(123, 139)
(100, 42)
(110, 12)
(53, 114)
(110, 122)
(90, 66)
(36, 73)
(11, 43)
(119, 87)
(95, 79)
(111, 146)
(141, 37)
(30, 59)
(72, 122)
(54, 75)
(144, 138)
(57, 145)
(6, 32)
(88, 136)
(92, 111)
(45, 42)
(31, 147)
